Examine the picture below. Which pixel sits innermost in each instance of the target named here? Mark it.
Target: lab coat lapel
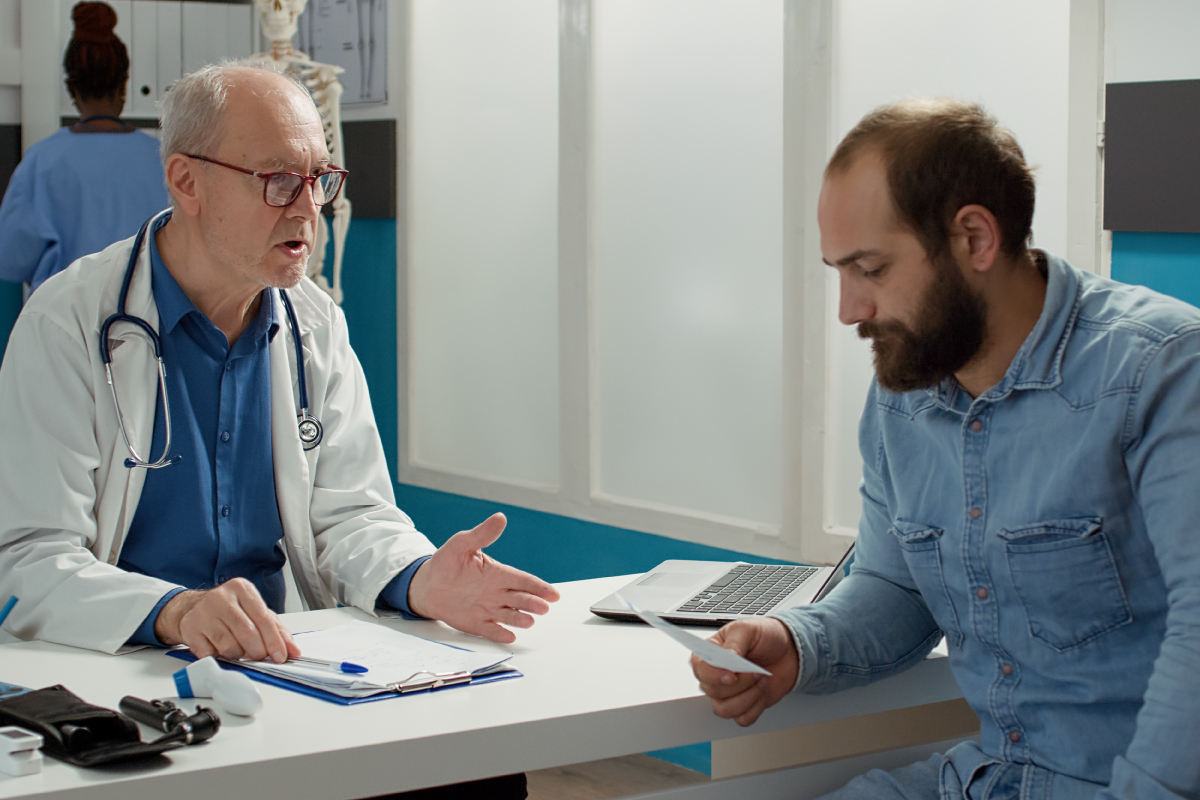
(135, 377)
(293, 483)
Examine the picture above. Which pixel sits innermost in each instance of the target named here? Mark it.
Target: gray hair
(193, 107)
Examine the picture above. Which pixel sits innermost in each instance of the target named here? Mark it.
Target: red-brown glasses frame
(267, 176)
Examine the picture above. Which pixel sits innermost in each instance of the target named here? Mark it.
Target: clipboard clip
(436, 680)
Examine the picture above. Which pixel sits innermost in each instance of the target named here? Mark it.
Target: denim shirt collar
(1038, 363)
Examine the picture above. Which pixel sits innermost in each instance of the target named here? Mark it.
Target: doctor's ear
(183, 179)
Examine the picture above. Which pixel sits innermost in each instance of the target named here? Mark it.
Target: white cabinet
(214, 31)
(166, 38)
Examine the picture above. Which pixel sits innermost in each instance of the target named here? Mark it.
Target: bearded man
(1030, 445)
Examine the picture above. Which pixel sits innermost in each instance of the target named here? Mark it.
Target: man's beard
(949, 330)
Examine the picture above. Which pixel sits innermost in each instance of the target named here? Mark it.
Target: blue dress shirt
(74, 194)
(214, 515)
(1049, 528)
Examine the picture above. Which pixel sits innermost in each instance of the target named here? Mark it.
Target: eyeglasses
(282, 188)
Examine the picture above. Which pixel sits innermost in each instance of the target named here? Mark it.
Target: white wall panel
(1151, 40)
(1010, 55)
(482, 259)
(688, 254)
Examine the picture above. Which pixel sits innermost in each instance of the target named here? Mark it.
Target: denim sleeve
(145, 632)
(875, 623)
(395, 594)
(1162, 456)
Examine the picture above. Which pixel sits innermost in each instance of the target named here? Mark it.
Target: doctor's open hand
(231, 621)
(743, 696)
(469, 590)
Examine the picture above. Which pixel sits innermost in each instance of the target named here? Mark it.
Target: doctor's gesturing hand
(469, 590)
(743, 696)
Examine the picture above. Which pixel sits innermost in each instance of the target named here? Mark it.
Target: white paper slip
(707, 651)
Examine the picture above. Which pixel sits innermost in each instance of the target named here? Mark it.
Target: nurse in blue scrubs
(87, 185)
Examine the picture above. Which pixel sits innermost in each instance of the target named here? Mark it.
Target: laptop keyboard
(748, 589)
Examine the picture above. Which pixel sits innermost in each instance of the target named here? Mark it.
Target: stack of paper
(395, 662)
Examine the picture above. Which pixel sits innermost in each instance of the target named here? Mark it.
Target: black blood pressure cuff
(77, 732)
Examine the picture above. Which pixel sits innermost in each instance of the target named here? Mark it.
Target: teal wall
(1166, 262)
(10, 306)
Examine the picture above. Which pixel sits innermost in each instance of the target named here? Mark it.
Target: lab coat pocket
(923, 554)
(1064, 572)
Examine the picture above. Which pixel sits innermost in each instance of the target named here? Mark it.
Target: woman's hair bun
(94, 22)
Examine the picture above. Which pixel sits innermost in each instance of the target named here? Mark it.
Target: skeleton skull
(278, 18)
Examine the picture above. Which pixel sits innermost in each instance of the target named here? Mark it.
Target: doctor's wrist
(166, 627)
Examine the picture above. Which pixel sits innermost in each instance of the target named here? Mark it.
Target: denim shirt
(1049, 528)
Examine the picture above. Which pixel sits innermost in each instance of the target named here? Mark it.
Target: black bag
(77, 732)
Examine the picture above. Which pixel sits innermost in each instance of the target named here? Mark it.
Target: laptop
(712, 593)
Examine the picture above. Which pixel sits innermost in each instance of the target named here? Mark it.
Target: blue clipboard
(330, 697)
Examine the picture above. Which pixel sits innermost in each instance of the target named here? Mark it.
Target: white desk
(592, 689)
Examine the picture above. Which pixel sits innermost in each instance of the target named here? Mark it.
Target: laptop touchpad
(670, 580)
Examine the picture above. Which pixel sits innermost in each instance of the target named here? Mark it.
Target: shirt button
(975, 513)
(977, 426)
(1006, 669)
(225, 513)
(1014, 737)
(981, 592)
(225, 436)
(228, 366)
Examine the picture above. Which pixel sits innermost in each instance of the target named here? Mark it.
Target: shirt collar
(173, 304)
(1038, 363)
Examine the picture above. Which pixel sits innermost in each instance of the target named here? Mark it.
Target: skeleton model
(278, 18)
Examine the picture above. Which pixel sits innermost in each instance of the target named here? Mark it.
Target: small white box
(19, 753)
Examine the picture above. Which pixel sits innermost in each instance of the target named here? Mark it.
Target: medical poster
(353, 35)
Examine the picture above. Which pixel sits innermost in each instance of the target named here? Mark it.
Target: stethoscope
(309, 426)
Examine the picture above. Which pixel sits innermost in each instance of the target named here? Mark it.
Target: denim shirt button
(1014, 737)
(982, 594)
(1006, 669)
(976, 513)
(977, 426)
(224, 511)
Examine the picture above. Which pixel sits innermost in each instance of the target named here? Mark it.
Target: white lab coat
(67, 500)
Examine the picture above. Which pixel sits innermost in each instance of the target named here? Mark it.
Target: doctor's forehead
(272, 119)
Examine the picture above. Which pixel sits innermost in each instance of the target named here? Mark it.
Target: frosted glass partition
(688, 254)
(887, 51)
(482, 311)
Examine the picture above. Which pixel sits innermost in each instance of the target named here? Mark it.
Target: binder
(402, 664)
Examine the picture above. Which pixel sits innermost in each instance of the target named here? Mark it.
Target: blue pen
(336, 666)
(12, 601)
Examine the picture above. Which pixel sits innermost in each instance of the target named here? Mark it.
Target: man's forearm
(866, 629)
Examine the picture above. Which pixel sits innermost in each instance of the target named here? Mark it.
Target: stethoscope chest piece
(310, 430)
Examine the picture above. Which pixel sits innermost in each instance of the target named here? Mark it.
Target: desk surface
(592, 689)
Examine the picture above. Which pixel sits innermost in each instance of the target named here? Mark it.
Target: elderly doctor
(172, 520)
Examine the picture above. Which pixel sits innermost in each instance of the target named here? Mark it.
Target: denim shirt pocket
(1064, 572)
(923, 554)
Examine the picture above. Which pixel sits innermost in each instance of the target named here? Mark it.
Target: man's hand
(230, 621)
(743, 696)
(469, 590)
